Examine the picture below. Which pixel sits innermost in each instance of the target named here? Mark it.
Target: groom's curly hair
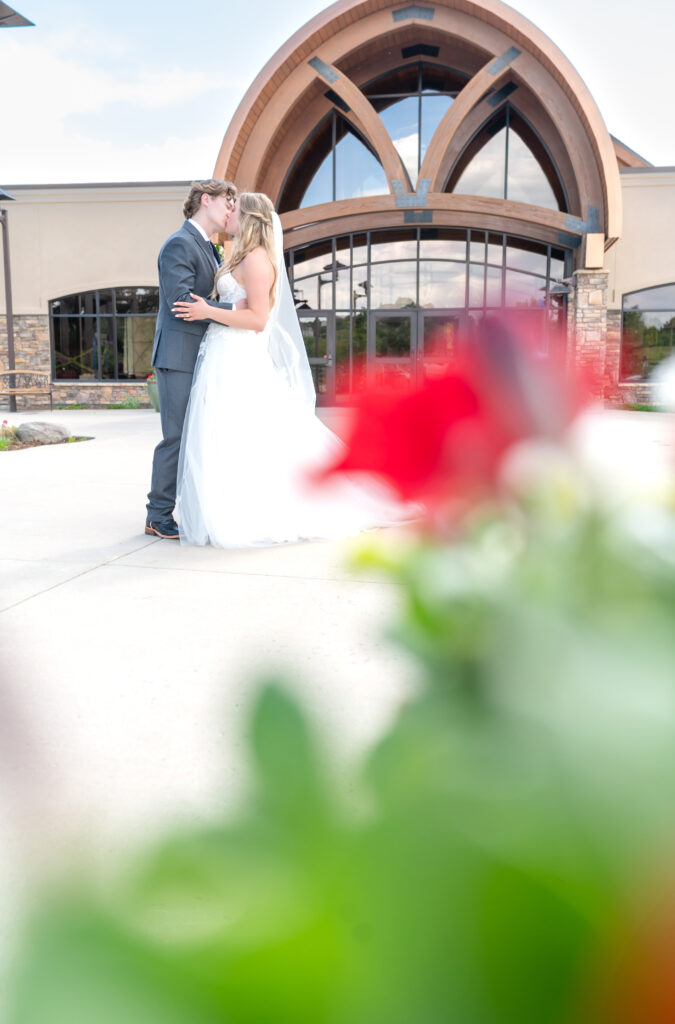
(211, 187)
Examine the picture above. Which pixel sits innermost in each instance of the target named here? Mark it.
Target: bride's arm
(258, 275)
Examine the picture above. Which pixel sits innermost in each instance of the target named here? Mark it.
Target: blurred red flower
(448, 436)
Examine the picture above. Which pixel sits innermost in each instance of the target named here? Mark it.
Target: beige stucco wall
(65, 239)
(645, 254)
(73, 238)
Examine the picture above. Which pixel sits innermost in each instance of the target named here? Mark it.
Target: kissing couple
(240, 437)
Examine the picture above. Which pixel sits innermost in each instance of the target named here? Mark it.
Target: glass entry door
(318, 330)
(392, 347)
(438, 340)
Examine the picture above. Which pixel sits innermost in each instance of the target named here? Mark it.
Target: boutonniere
(220, 252)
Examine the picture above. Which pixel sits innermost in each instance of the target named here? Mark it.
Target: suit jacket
(187, 263)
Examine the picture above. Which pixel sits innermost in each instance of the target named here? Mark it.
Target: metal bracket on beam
(418, 217)
(590, 226)
(498, 97)
(413, 11)
(503, 62)
(404, 198)
(325, 70)
(571, 241)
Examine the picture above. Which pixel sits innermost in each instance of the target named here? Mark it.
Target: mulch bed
(15, 445)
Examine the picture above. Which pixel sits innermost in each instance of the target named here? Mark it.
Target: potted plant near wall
(153, 394)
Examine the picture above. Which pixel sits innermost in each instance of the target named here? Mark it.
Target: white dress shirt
(200, 229)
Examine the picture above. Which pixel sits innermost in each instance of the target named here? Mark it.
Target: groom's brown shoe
(165, 528)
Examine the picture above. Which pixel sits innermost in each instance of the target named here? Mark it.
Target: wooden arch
(354, 40)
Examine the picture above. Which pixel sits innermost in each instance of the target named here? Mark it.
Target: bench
(26, 382)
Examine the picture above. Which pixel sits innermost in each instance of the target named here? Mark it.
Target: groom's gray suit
(187, 263)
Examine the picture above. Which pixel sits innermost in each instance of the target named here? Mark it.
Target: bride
(251, 437)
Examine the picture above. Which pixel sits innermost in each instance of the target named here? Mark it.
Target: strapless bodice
(230, 290)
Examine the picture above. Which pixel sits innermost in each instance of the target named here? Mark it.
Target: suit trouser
(173, 389)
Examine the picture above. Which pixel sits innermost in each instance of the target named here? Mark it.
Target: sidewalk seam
(261, 575)
(76, 576)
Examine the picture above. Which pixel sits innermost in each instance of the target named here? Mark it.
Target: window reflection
(331, 272)
(439, 343)
(393, 337)
(557, 265)
(311, 259)
(357, 171)
(315, 335)
(493, 286)
(648, 330)
(388, 312)
(484, 176)
(434, 109)
(411, 103)
(393, 285)
(315, 292)
(343, 287)
(335, 164)
(401, 119)
(320, 188)
(648, 338)
(524, 255)
(527, 182)
(495, 250)
(477, 247)
(506, 159)
(442, 285)
(392, 245)
(662, 297)
(343, 358)
(524, 290)
(359, 249)
(442, 244)
(476, 285)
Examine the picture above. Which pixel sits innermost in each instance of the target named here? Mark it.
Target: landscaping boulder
(43, 433)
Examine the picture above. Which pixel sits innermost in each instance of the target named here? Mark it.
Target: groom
(187, 263)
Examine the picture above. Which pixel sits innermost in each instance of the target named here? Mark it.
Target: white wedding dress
(249, 442)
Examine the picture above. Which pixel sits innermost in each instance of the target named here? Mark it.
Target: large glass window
(648, 334)
(104, 335)
(411, 102)
(455, 274)
(335, 164)
(507, 160)
(430, 268)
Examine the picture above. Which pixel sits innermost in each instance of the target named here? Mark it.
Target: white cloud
(53, 87)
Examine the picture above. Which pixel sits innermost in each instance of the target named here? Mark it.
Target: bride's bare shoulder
(257, 261)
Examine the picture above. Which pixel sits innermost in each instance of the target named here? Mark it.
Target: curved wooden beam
(434, 165)
(391, 216)
(489, 24)
(364, 117)
(522, 214)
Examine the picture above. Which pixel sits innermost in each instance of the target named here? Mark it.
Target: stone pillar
(31, 343)
(587, 323)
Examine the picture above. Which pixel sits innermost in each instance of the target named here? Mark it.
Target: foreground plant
(504, 854)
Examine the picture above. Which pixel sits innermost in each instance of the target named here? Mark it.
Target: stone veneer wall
(100, 394)
(32, 351)
(587, 321)
(31, 343)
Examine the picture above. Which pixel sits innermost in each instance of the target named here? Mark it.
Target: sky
(143, 90)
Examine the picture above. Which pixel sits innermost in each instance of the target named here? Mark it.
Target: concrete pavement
(129, 661)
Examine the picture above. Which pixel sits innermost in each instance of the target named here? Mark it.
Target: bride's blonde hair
(256, 227)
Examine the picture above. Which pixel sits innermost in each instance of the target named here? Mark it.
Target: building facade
(430, 163)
